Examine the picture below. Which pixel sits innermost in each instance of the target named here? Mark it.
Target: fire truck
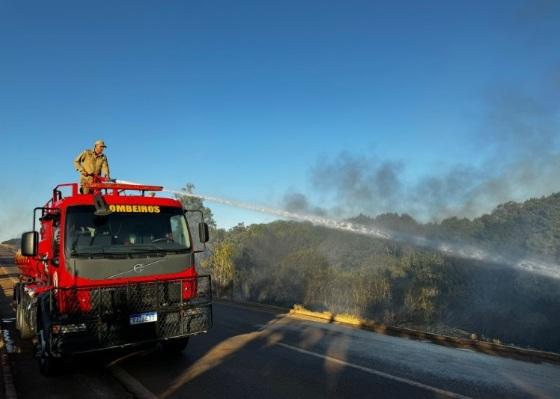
(113, 268)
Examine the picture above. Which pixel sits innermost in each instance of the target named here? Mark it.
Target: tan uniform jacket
(91, 163)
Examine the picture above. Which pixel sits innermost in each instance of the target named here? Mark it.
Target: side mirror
(29, 243)
(203, 232)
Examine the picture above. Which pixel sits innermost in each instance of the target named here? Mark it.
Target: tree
(220, 265)
(192, 202)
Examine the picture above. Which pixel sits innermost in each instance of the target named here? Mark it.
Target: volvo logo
(138, 268)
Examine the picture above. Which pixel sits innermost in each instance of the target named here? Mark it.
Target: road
(254, 352)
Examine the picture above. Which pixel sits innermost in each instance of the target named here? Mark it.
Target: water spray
(460, 251)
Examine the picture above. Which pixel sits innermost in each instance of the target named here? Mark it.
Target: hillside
(531, 228)
(397, 283)
(16, 242)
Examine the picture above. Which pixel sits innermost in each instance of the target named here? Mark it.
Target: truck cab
(111, 269)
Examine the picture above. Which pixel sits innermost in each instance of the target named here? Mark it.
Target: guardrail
(490, 348)
(475, 344)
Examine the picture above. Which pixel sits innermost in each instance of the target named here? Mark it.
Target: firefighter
(91, 163)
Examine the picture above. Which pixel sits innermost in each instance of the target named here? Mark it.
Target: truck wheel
(48, 365)
(25, 330)
(18, 316)
(17, 302)
(176, 345)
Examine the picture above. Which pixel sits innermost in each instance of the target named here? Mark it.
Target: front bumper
(106, 323)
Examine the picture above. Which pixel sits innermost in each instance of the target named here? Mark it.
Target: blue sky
(246, 98)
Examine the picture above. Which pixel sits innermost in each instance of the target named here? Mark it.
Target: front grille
(135, 298)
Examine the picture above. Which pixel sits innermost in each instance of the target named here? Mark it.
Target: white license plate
(140, 318)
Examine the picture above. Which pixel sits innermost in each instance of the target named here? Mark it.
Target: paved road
(255, 353)
(252, 353)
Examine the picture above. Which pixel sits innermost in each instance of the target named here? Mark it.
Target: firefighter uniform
(90, 164)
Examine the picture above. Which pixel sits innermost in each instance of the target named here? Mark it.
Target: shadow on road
(246, 358)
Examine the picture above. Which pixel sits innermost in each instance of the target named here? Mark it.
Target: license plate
(140, 318)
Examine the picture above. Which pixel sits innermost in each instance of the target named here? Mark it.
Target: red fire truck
(110, 269)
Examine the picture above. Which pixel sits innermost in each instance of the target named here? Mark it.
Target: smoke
(358, 182)
(297, 202)
(519, 137)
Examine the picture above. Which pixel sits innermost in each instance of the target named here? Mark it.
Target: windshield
(125, 232)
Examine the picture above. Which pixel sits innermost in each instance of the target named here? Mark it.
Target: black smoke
(298, 203)
(519, 135)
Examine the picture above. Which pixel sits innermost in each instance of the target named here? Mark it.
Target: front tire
(25, 330)
(18, 316)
